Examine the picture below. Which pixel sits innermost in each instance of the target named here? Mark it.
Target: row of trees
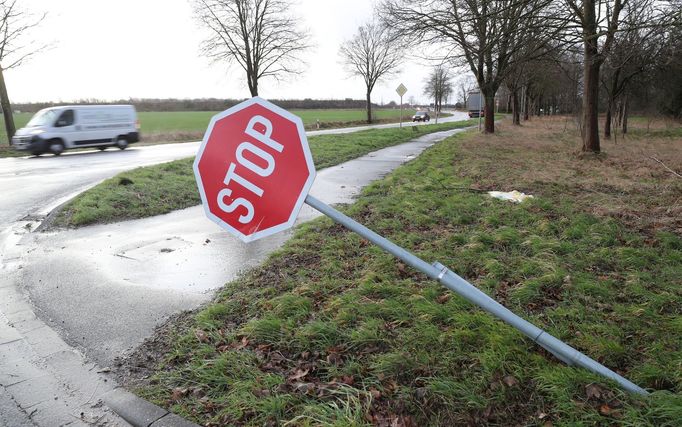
(511, 42)
(201, 104)
(593, 48)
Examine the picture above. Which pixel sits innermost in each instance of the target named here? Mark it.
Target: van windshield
(42, 118)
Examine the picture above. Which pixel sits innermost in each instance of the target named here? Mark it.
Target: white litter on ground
(512, 196)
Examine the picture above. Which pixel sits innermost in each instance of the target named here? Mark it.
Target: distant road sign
(254, 169)
(401, 90)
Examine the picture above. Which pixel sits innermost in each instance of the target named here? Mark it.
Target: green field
(187, 121)
(154, 123)
(20, 120)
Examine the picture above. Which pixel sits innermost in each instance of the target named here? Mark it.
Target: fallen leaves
(593, 391)
(178, 393)
(300, 373)
(390, 420)
(376, 394)
(510, 381)
(604, 400)
(201, 335)
(444, 298)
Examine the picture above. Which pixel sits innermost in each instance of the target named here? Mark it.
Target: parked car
(55, 129)
(421, 116)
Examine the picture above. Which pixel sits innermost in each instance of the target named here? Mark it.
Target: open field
(187, 121)
(331, 331)
(174, 125)
(20, 121)
(159, 189)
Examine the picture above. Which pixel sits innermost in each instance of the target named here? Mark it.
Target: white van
(56, 129)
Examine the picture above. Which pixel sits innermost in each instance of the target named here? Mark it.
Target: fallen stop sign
(254, 169)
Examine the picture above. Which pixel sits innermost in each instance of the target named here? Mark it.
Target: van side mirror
(61, 123)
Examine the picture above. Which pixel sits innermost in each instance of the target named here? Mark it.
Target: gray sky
(109, 49)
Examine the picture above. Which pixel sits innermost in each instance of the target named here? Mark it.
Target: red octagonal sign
(254, 169)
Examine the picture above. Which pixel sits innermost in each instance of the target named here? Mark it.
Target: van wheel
(56, 148)
(122, 143)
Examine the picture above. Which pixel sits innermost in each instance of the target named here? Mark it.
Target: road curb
(140, 413)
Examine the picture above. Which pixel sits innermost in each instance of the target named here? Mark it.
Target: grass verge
(160, 189)
(332, 331)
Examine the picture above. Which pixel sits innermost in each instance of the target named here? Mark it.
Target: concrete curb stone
(140, 413)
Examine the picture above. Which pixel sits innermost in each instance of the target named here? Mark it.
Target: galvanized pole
(480, 109)
(452, 281)
(401, 111)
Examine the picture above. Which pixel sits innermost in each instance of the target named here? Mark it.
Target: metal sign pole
(401, 90)
(480, 109)
(401, 111)
(455, 283)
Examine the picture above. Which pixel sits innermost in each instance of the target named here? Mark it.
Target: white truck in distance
(476, 104)
(55, 129)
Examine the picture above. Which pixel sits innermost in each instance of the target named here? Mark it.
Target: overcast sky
(108, 49)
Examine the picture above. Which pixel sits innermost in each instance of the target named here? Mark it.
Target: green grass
(188, 121)
(332, 331)
(160, 189)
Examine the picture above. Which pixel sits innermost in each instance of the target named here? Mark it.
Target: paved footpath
(94, 302)
(44, 381)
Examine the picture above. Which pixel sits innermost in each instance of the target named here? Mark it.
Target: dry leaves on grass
(542, 157)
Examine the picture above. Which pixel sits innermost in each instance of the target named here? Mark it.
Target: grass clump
(159, 189)
(332, 331)
(135, 194)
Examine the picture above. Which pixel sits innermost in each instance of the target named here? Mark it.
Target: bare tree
(465, 84)
(482, 34)
(261, 36)
(636, 51)
(373, 53)
(438, 86)
(15, 49)
(598, 21)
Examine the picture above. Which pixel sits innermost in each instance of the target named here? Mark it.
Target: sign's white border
(308, 159)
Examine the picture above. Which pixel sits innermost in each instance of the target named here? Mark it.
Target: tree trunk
(591, 103)
(526, 104)
(592, 63)
(252, 81)
(607, 122)
(516, 114)
(538, 106)
(6, 109)
(624, 118)
(490, 113)
(369, 107)
(617, 114)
